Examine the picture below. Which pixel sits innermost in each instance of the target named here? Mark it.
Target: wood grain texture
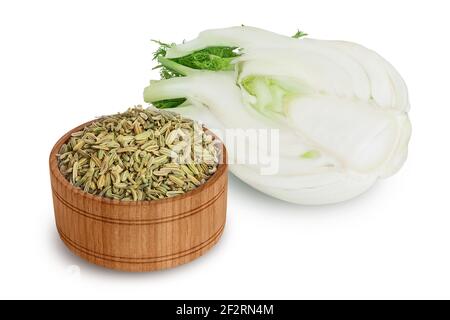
(139, 236)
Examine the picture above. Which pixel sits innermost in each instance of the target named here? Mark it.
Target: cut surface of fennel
(341, 109)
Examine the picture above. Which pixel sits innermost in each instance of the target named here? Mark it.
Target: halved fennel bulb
(340, 109)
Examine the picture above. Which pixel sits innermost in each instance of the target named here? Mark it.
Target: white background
(65, 62)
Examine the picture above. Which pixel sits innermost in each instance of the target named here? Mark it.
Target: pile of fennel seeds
(141, 154)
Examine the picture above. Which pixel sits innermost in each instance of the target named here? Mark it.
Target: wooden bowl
(143, 235)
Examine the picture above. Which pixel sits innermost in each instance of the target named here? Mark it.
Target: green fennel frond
(299, 34)
(165, 72)
(217, 58)
(168, 103)
(162, 49)
(211, 58)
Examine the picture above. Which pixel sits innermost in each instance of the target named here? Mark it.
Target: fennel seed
(141, 154)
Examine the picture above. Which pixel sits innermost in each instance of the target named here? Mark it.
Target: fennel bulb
(341, 110)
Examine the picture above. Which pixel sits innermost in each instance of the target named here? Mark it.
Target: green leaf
(162, 50)
(299, 34)
(211, 58)
(217, 58)
(166, 72)
(168, 103)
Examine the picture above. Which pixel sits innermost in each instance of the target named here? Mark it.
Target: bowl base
(141, 264)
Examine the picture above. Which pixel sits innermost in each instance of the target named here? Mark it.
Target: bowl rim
(54, 170)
